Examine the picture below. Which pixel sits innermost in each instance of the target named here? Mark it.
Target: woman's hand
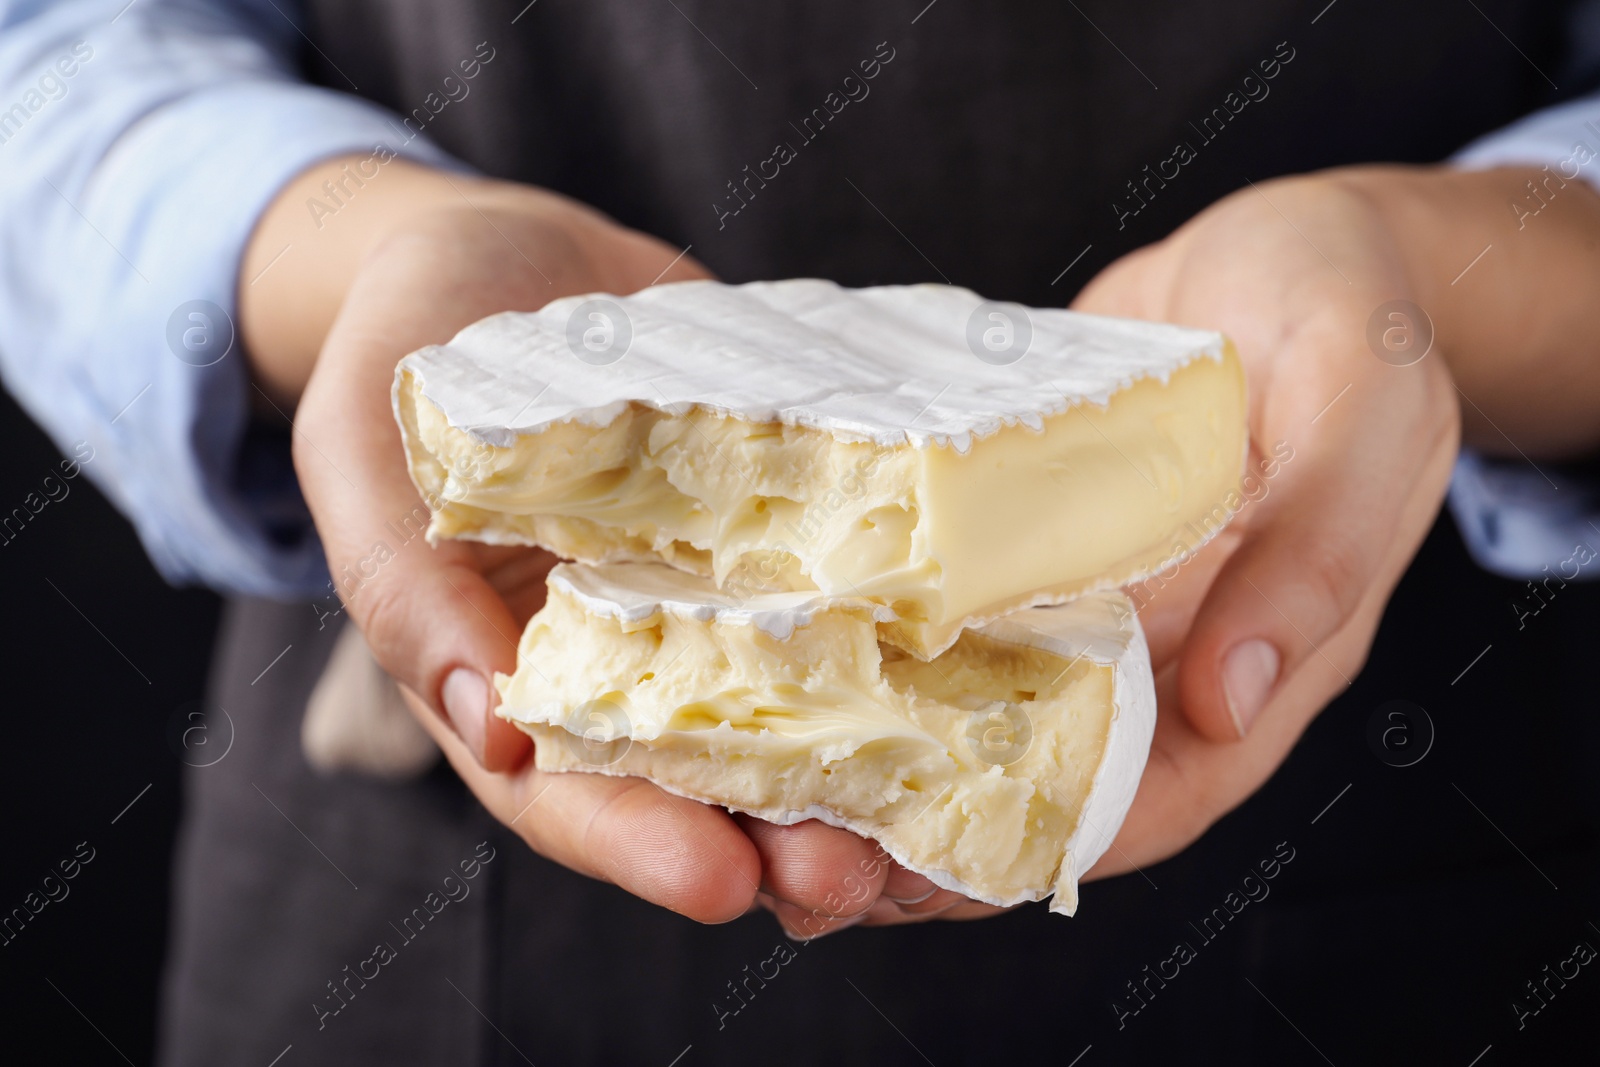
(433, 616)
(412, 258)
(1351, 453)
(1356, 407)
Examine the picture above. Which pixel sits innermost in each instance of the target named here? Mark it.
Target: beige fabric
(356, 721)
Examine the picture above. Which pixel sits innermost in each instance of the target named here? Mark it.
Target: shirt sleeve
(139, 144)
(1518, 520)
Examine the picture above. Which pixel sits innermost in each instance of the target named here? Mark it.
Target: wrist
(1502, 261)
(308, 246)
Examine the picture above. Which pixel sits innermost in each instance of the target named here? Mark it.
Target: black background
(85, 734)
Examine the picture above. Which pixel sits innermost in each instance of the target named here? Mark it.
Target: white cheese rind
(891, 365)
(1112, 636)
(1096, 631)
(635, 594)
(1111, 450)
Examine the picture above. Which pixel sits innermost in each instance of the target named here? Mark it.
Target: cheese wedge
(1001, 768)
(915, 446)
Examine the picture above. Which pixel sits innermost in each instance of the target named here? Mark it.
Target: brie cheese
(1000, 769)
(862, 443)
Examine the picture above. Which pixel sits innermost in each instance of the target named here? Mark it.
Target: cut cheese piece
(1000, 769)
(860, 443)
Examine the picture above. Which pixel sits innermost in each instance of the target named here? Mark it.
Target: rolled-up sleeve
(139, 144)
(1519, 520)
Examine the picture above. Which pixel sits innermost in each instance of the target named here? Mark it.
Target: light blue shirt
(1520, 519)
(139, 144)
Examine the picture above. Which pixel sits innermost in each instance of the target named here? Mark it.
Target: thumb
(1313, 547)
(436, 624)
(430, 615)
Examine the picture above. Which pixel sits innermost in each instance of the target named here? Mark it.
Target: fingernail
(466, 701)
(1248, 674)
(832, 926)
(932, 889)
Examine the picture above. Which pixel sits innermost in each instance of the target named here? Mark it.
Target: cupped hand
(431, 615)
(1350, 456)
(1349, 461)
(443, 619)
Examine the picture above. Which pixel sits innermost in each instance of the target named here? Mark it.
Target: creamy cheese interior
(975, 767)
(1100, 496)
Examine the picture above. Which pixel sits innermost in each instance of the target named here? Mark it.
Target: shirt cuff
(1517, 521)
(1524, 523)
(1564, 138)
(212, 494)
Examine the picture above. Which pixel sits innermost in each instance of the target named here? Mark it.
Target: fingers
(943, 905)
(677, 852)
(799, 924)
(429, 615)
(1275, 603)
(1131, 287)
(1190, 782)
(907, 887)
(818, 880)
(1312, 551)
(684, 856)
(1167, 603)
(638, 260)
(432, 617)
(815, 869)
(1173, 804)
(1361, 433)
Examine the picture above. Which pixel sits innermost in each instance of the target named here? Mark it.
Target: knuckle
(1335, 572)
(379, 608)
